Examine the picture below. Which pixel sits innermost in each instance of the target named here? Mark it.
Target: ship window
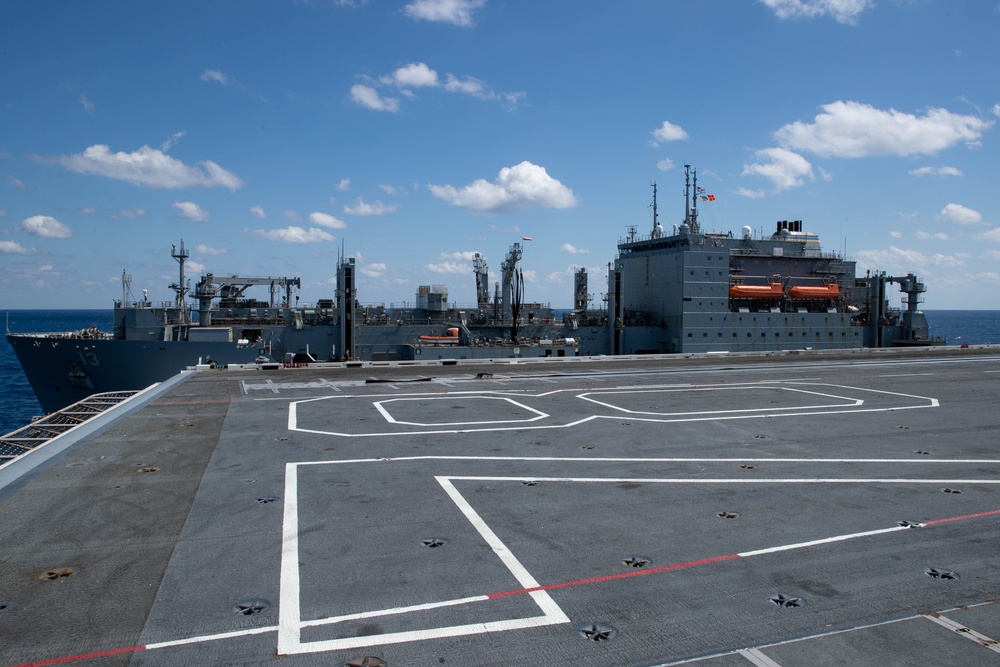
(748, 335)
(704, 335)
(734, 334)
(690, 335)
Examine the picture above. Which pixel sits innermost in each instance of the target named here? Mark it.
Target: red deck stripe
(617, 575)
(82, 656)
(961, 518)
(519, 591)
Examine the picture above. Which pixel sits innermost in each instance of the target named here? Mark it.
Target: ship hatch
(252, 335)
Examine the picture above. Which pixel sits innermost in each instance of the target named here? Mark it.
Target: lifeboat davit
(451, 337)
(771, 291)
(831, 291)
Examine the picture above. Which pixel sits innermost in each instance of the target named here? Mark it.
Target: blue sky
(272, 136)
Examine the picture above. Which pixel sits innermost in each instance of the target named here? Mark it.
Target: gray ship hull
(63, 370)
(686, 291)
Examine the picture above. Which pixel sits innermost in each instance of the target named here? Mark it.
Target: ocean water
(18, 404)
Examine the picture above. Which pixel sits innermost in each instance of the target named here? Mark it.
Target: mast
(180, 289)
(694, 204)
(655, 223)
(691, 205)
(687, 193)
(482, 281)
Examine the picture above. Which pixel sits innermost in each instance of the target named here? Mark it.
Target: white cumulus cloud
(466, 255)
(369, 97)
(842, 11)
(46, 227)
(935, 171)
(961, 215)
(414, 75)
(922, 235)
(13, 248)
(361, 207)
(374, 270)
(668, 132)
(191, 211)
(216, 76)
(293, 234)
(852, 129)
(783, 168)
(448, 267)
(420, 75)
(258, 212)
(326, 220)
(573, 250)
(456, 12)
(147, 166)
(209, 250)
(514, 189)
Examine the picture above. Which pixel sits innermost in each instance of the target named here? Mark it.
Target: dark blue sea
(18, 404)
(17, 401)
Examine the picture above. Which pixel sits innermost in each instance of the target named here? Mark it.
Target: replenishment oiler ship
(682, 291)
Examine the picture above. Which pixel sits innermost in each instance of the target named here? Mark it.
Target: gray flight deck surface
(718, 511)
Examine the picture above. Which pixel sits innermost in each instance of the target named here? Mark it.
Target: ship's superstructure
(692, 291)
(682, 291)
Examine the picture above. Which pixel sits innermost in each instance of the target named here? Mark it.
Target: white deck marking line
(379, 405)
(289, 610)
(471, 629)
(695, 480)
(905, 375)
(757, 658)
(211, 638)
(289, 613)
(723, 415)
(424, 635)
(964, 631)
(397, 610)
(819, 635)
(585, 420)
(847, 401)
(547, 604)
(289, 619)
(604, 459)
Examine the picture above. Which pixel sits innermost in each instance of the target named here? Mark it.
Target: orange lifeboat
(452, 337)
(771, 291)
(831, 291)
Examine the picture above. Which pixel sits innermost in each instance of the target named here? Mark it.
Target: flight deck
(769, 510)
